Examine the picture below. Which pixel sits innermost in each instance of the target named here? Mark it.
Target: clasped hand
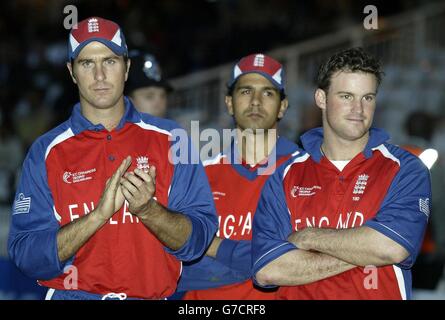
(138, 188)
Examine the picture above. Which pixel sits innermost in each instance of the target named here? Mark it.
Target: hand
(138, 187)
(112, 198)
(300, 238)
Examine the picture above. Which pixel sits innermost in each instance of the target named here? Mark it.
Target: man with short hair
(100, 211)
(346, 220)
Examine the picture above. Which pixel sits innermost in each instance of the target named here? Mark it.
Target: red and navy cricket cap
(261, 64)
(96, 29)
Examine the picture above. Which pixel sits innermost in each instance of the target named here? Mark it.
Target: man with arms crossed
(346, 220)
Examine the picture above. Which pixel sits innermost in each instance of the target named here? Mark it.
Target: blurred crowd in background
(186, 36)
(36, 92)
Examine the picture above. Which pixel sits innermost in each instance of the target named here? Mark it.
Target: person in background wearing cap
(100, 211)
(145, 85)
(346, 220)
(256, 99)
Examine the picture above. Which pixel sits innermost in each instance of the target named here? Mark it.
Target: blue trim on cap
(264, 74)
(119, 50)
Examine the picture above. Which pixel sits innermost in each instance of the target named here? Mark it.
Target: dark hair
(349, 60)
(230, 89)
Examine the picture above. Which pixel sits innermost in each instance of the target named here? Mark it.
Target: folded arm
(298, 267)
(359, 246)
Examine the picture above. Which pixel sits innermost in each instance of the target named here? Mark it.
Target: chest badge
(79, 176)
(360, 186)
(298, 191)
(142, 163)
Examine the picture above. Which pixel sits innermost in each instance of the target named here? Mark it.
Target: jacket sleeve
(236, 255)
(231, 265)
(271, 225)
(206, 273)
(190, 194)
(404, 213)
(32, 242)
